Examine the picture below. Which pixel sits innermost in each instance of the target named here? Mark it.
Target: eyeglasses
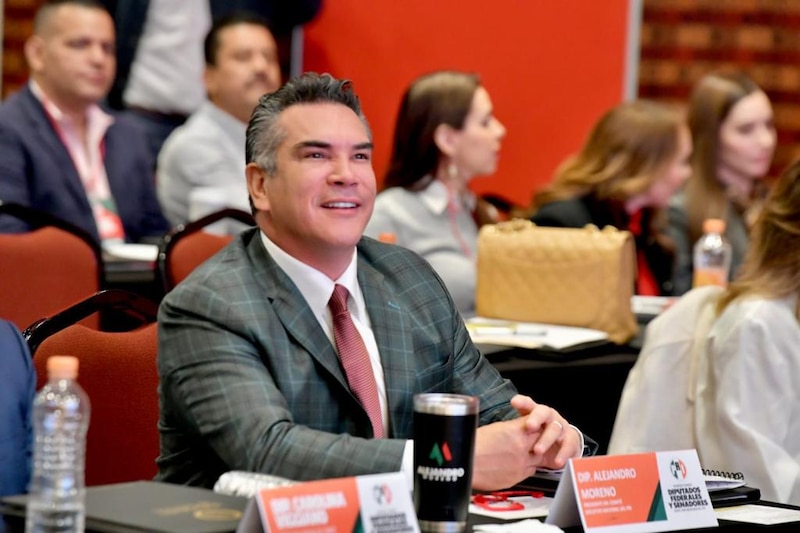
(499, 501)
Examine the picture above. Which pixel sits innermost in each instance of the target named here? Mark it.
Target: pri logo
(678, 469)
(382, 494)
(440, 455)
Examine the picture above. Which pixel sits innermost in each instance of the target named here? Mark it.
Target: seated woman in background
(734, 138)
(634, 160)
(444, 136)
(748, 417)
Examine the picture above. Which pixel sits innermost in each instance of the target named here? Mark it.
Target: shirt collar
(95, 116)
(232, 126)
(436, 197)
(315, 286)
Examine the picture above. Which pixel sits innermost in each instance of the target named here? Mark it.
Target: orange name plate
(376, 503)
(658, 491)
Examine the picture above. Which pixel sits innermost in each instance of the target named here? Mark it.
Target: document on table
(530, 525)
(758, 514)
(531, 334)
(130, 252)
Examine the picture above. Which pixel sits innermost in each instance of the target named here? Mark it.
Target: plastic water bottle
(712, 255)
(60, 421)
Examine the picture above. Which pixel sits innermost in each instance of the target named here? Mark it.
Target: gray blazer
(249, 380)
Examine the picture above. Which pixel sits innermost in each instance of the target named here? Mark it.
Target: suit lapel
(391, 327)
(52, 147)
(293, 311)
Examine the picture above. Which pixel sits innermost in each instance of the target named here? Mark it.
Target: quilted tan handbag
(574, 277)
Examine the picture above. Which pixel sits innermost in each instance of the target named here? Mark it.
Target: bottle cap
(388, 237)
(62, 366)
(713, 225)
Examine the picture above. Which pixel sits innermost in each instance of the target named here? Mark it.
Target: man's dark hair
(44, 12)
(211, 43)
(263, 133)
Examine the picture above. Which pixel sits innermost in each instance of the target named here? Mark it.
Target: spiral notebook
(719, 480)
(729, 488)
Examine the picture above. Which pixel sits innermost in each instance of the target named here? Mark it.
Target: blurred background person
(59, 151)
(160, 54)
(734, 138)
(748, 419)
(18, 386)
(636, 157)
(201, 165)
(445, 135)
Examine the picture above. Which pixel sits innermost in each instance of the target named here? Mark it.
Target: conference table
(584, 385)
(726, 526)
(13, 516)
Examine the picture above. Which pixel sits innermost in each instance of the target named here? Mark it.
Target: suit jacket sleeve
(247, 371)
(222, 389)
(16, 398)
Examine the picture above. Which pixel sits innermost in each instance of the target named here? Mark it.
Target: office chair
(118, 371)
(187, 246)
(47, 268)
(136, 308)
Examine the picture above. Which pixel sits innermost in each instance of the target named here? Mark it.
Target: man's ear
(210, 80)
(257, 186)
(445, 138)
(34, 53)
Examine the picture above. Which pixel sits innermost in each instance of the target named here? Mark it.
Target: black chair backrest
(140, 309)
(181, 231)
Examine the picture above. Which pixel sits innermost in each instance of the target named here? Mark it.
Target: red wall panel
(551, 67)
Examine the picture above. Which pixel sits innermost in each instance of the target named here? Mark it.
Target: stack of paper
(531, 334)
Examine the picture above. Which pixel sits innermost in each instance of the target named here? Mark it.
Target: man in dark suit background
(250, 377)
(59, 151)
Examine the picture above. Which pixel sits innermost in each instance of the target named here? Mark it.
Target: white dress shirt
(317, 289)
(167, 71)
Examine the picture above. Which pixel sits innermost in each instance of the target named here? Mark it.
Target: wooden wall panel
(551, 67)
(681, 40)
(17, 26)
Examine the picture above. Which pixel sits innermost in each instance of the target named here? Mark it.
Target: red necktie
(355, 358)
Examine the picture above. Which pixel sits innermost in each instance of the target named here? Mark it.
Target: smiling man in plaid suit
(250, 375)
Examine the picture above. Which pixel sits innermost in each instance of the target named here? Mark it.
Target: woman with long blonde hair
(636, 157)
(748, 417)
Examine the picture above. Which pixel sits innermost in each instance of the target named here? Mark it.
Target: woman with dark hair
(734, 138)
(636, 157)
(445, 135)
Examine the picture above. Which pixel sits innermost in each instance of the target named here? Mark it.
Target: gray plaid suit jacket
(249, 381)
